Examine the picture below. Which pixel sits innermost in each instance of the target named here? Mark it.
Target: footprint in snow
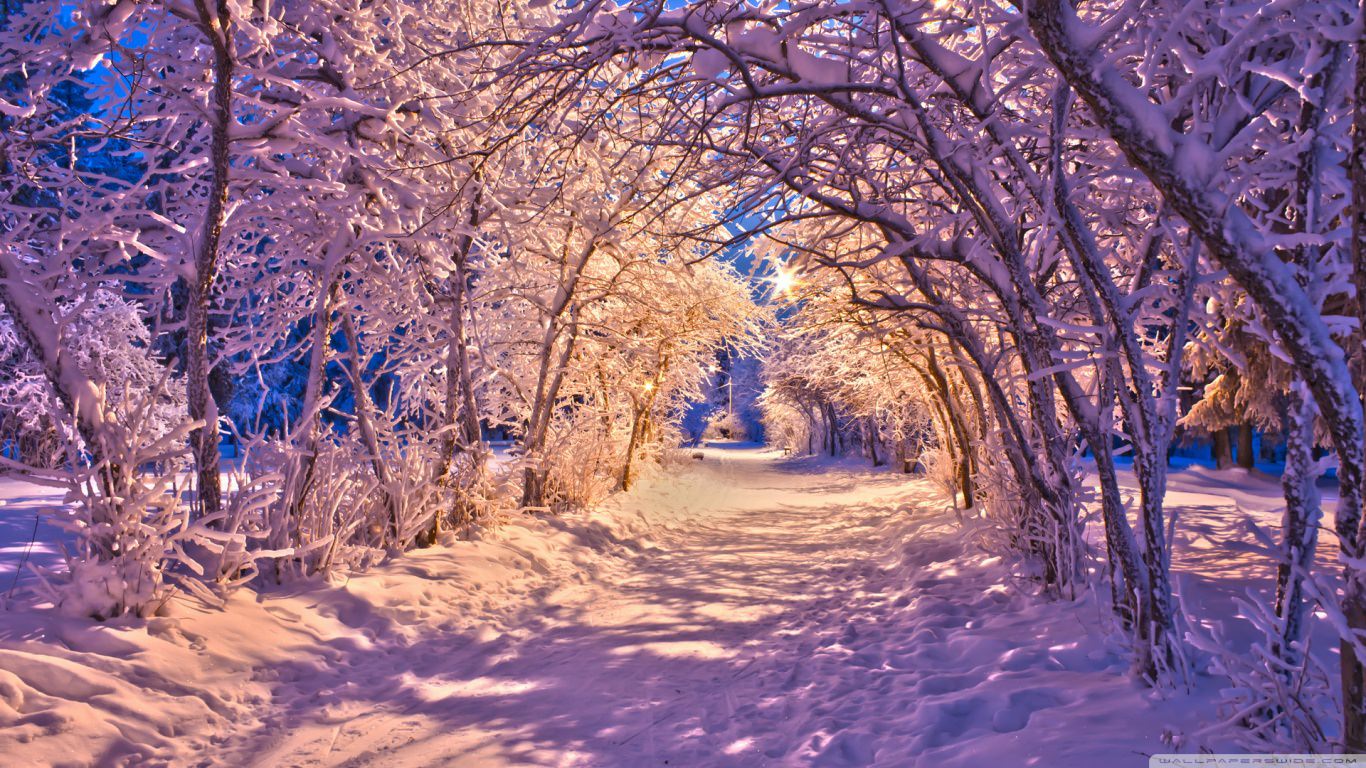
(1021, 704)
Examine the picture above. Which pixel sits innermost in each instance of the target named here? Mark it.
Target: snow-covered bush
(1277, 699)
(28, 430)
(582, 460)
(125, 510)
(108, 339)
(941, 468)
(726, 425)
(125, 514)
(785, 424)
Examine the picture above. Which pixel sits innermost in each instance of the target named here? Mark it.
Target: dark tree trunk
(832, 430)
(1246, 458)
(462, 414)
(199, 397)
(1222, 449)
(872, 443)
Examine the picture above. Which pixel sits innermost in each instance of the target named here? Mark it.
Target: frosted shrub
(785, 425)
(940, 469)
(128, 524)
(418, 495)
(999, 505)
(28, 432)
(137, 538)
(127, 513)
(1276, 700)
(726, 425)
(474, 495)
(333, 510)
(580, 461)
(107, 339)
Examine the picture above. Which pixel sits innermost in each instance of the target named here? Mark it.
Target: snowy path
(752, 610)
(772, 622)
(740, 587)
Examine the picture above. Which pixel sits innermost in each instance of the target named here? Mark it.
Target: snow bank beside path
(169, 690)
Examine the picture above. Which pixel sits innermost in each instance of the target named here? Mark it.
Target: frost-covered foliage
(127, 521)
(106, 336)
(726, 425)
(28, 426)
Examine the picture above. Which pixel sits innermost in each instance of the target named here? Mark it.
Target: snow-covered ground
(27, 534)
(744, 609)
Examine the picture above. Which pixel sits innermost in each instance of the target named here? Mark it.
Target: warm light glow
(649, 386)
(784, 280)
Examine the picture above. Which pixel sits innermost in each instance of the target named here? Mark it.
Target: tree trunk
(369, 436)
(214, 25)
(1156, 559)
(938, 382)
(533, 487)
(550, 376)
(1221, 449)
(637, 426)
(831, 430)
(298, 473)
(464, 431)
(1246, 458)
(1132, 584)
(1300, 524)
(872, 442)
